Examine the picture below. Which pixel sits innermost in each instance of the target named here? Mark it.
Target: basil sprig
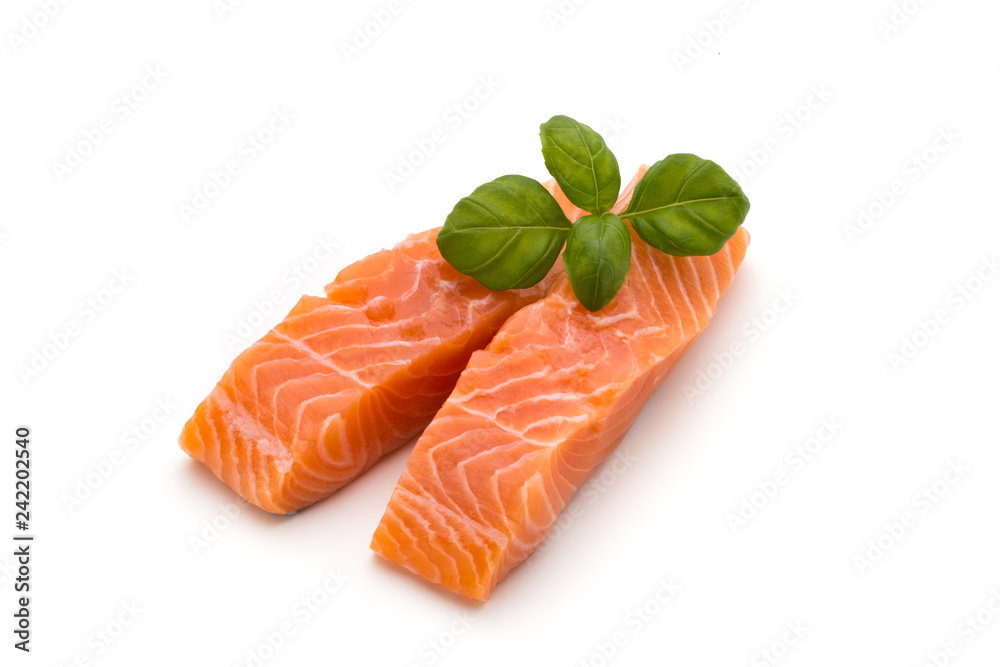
(687, 206)
(582, 164)
(509, 232)
(598, 257)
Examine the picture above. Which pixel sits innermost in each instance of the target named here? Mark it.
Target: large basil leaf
(582, 164)
(598, 256)
(685, 205)
(507, 234)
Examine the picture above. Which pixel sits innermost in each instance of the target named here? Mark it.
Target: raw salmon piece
(537, 411)
(346, 379)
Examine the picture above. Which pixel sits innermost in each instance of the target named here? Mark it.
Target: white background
(695, 458)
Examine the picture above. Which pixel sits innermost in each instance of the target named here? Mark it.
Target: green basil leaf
(582, 164)
(507, 234)
(597, 258)
(685, 205)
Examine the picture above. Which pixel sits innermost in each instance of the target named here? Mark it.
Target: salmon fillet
(536, 412)
(345, 379)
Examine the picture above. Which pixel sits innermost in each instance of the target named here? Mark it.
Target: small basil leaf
(582, 164)
(598, 256)
(685, 205)
(507, 234)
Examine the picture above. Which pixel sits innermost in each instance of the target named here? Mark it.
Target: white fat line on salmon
(957, 298)
(223, 8)
(785, 128)
(364, 34)
(751, 331)
(774, 653)
(914, 168)
(249, 148)
(210, 530)
(588, 494)
(434, 648)
(34, 22)
(451, 120)
(290, 284)
(131, 439)
(899, 15)
(921, 503)
(701, 41)
(966, 631)
(122, 107)
(97, 643)
(85, 313)
(633, 622)
(750, 505)
(301, 611)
